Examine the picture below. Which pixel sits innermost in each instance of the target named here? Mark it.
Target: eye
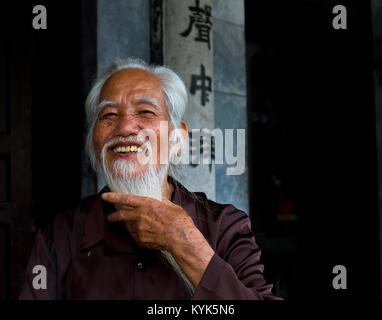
(147, 112)
(109, 115)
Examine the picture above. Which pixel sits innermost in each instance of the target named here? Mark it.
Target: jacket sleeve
(41, 271)
(235, 271)
(51, 252)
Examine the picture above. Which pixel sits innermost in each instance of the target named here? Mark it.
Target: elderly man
(144, 236)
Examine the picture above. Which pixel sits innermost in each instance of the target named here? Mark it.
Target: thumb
(165, 200)
(168, 202)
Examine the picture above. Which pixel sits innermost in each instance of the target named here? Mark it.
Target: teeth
(128, 149)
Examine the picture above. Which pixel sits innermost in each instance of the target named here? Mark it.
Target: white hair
(174, 93)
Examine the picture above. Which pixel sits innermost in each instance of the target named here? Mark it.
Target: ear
(179, 138)
(184, 130)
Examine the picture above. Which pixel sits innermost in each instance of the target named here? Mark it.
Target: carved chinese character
(201, 82)
(201, 19)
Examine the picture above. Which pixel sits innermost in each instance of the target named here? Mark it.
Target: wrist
(193, 247)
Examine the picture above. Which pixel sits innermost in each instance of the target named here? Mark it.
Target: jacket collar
(93, 230)
(98, 229)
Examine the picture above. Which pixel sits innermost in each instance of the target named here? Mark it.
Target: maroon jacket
(87, 257)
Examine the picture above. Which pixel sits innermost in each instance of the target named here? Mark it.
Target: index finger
(122, 198)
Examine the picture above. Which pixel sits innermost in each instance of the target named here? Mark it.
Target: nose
(126, 126)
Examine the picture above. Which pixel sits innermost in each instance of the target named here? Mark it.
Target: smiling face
(132, 100)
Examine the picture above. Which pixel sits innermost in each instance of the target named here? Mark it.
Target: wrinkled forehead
(131, 80)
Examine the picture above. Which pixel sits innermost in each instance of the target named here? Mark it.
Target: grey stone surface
(123, 30)
(229, 58)
(230, 113)
(232, 189)
(230, 93)
(229, 10)
(186, 56)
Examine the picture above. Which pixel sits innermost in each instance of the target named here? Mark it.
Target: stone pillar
(230, 93)
(188, 50)
(123, 30)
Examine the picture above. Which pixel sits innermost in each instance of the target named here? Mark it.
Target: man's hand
(152, 223)
(163, 225)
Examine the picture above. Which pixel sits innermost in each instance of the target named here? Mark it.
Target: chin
(133, 171)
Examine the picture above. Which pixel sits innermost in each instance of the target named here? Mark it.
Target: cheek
(162, 135)
(164, 150)
(154, 127)
(99, 137)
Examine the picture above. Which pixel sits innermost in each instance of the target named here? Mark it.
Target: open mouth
(127, 149)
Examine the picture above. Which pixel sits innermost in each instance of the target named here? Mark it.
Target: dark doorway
(41, 127)
(313, 146)
(57, 112)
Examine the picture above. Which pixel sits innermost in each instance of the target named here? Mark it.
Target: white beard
(148, 184)
(122, 179)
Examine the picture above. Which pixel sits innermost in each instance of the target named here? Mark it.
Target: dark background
(57, 112)
(315, 85)
(44, 137)
(311, 87)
